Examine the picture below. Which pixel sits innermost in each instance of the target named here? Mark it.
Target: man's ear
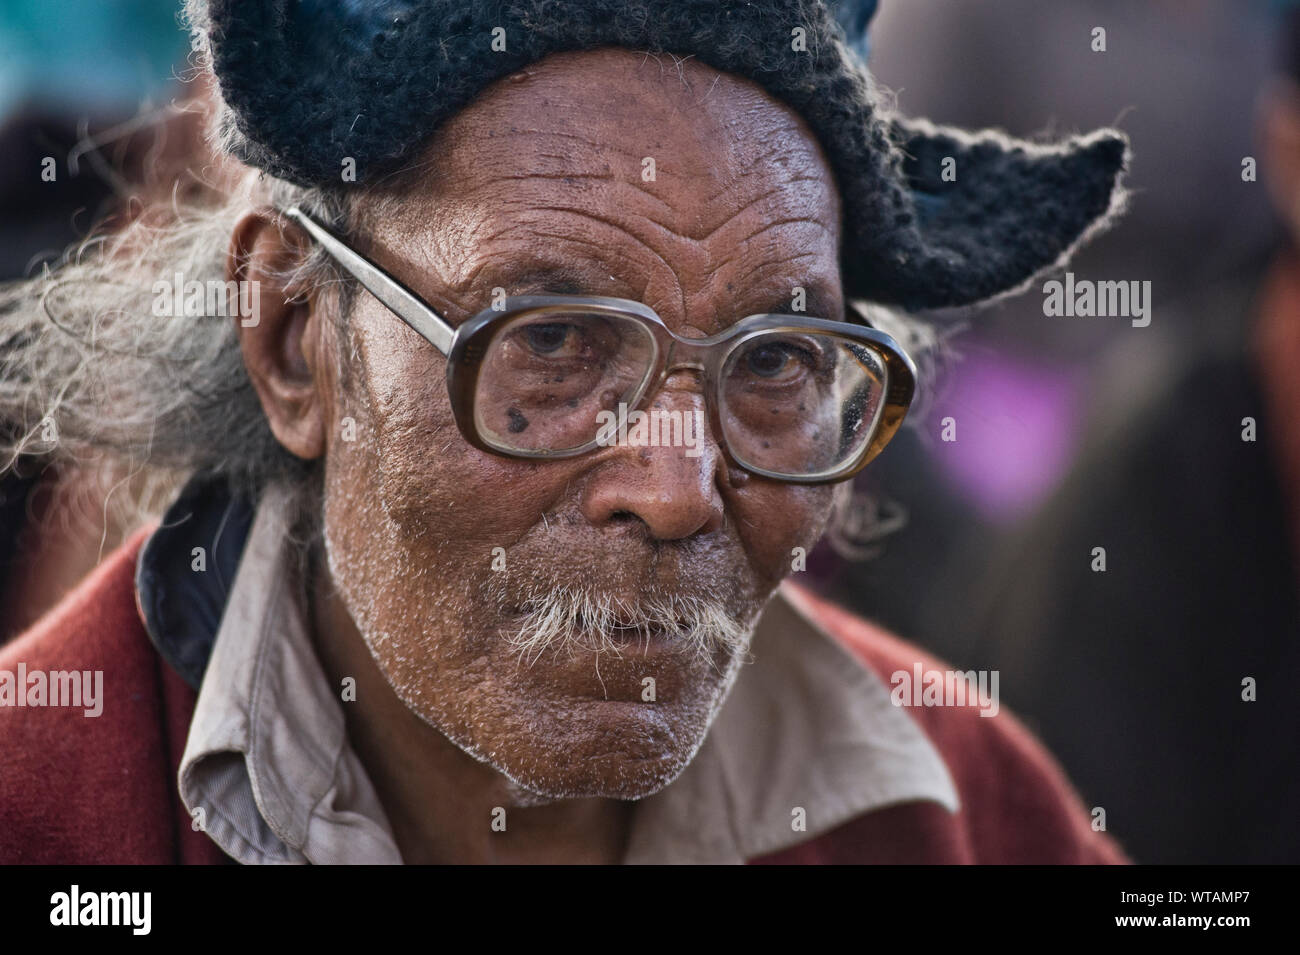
(281, 340)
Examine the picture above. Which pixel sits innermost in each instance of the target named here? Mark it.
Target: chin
(612, 750)
(562, 732)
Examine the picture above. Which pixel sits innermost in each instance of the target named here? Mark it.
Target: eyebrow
(819, 302)
(550, 278)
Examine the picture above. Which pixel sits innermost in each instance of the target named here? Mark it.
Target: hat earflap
(989, 212)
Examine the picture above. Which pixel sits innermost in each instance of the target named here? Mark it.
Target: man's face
(443, 553)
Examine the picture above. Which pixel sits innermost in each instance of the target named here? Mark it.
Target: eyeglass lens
(792, 401)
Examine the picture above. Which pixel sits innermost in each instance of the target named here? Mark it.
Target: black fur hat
(306, 83)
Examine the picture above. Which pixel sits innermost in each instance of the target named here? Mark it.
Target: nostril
(675, 497)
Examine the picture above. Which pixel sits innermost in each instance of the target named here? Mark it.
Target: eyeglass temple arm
(424, 320)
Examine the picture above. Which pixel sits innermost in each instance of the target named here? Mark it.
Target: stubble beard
(546, 622)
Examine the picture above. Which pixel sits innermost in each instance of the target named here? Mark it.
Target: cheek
(773, 519)
(429, 480)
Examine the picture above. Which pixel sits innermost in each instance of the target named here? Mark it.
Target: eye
(774, 360)
(548, 339)
(766, 360)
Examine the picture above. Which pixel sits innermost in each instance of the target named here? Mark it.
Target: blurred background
(1072, 434)
(96, 126)
(1081, 433)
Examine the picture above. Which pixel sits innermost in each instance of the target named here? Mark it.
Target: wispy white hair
(89, 372)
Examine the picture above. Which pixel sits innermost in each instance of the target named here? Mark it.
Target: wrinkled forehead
(613, 172)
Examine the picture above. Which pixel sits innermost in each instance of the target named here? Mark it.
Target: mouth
(652, 635)
(624, 632)
(536, 628)
(575, 620)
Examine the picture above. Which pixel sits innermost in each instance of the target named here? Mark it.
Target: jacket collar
(185, 572)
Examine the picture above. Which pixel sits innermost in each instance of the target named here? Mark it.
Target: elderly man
(418, 601)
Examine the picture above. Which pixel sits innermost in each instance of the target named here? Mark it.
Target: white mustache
(578, 619)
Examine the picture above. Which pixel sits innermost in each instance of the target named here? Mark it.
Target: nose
(672, 489)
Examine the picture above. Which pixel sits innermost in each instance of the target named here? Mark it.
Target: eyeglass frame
(465, 346)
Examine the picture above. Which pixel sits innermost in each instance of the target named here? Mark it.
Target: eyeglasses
(795, 399)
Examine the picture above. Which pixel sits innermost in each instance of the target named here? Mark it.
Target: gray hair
(91, 372)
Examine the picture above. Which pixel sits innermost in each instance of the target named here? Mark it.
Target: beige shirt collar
(808, 735)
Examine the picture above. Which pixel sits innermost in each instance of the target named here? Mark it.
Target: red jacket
(103, 790)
